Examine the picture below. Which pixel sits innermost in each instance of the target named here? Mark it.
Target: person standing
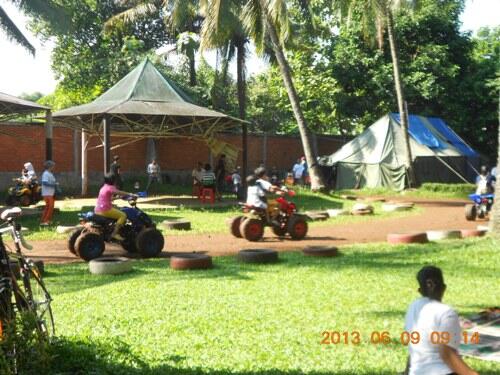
(236, 181)
(298, 172)
(49, 185)
(220, 174)
(115, 170)
(153, 171)
(427, 315)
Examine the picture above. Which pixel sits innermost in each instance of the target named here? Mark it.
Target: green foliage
(259, 319)
(453, 189)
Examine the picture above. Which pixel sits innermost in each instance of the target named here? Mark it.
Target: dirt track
(436, 214)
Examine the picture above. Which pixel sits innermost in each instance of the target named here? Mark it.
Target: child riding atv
(258, 186)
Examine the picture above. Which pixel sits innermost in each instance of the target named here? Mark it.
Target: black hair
(251, 180)
(109, 179)
(207, 167)
(259, 172)
(429, 273)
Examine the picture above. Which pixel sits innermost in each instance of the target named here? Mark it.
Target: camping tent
(376, 158)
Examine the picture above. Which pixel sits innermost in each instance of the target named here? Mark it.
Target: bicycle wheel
(39, 299)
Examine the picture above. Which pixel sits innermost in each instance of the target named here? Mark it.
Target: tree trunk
(241, 84)
(400, 97)
(314, 171)
(495, 219)
(192, 71)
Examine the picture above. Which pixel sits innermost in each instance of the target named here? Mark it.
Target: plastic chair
(207, 192)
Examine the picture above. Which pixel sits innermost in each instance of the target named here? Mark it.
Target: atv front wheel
(234, 226)
(252, 229)
(72, 240)
(89, 245)
(149, 242)
(470, 212)
(24, 200)
(297, 227)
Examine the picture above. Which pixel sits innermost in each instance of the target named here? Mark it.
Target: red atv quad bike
(283, 219)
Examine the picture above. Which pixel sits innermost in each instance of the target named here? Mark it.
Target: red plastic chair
(207, 192)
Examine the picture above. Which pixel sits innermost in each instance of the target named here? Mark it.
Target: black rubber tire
(252, 229)
(297, 227)
(177, 224)
(149, 242)
(110, 266)
(191, 262)
(258, 256)
(11, 201)
(320, 251)
(234, 226)
(70, 243)
(89, 245)
(470, 212)
(129, 245)
(278, 231)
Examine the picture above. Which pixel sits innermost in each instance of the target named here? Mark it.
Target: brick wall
(21, 143)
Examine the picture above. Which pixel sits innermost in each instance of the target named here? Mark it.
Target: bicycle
(30, 298)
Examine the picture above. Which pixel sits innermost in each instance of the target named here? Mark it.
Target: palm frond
(13, 33)
(46, 9)
(129, 16)
(221, 23)
(254, 25)
(278, 13)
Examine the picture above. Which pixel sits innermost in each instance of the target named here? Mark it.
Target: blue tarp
(420, 132)
(451, 136)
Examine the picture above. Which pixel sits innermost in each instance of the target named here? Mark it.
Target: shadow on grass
(114, 357)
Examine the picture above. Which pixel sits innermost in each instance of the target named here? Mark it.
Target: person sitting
(485, 182)
(256, 193)
(28, 175)
(427, 315)
(104, 205)
(197, 175)
(208, 179)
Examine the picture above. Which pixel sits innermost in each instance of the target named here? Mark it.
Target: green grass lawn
(259, 319)
(210, 220)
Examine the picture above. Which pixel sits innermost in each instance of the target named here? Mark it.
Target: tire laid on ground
(278, 231)
(297, 227)
(374, 199)
(178, 224)
(470, 212)
(437, 235)
(252, 229)
(362, 212)
(190, 262)
(149, 242)
(402, 238)
(89, 245)
(257, 256)
(234, 226)
(362, 209)
(391, 207)
(110, 265)
(473, 233)
(337, 212)
(320, 251)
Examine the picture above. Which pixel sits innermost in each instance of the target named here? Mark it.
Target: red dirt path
(436, 214)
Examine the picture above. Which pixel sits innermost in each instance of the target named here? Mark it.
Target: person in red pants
(49, 185)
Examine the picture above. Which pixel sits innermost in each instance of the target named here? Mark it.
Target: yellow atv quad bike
(23, 194)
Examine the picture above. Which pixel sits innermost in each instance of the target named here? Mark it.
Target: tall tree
(267, 20)
(180, 16)
(378, 15)
(47, 10)
(222, 29)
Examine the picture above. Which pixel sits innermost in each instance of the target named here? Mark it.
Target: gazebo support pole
(85, 179)
(48, 135)
(106, 143)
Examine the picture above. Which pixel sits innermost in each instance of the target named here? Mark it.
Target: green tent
(376, 158)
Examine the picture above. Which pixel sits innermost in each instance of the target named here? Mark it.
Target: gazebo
(145, 104)
(12, 107)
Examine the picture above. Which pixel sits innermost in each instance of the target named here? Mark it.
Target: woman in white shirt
(49, 184)
(429, 316)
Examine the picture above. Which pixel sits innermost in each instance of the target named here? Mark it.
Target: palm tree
(267, 20)
(222, 29)
(378, 15)
(46, 9)
(181, 16)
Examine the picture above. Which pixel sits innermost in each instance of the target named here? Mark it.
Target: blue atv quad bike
(139, 233)
(481, 206)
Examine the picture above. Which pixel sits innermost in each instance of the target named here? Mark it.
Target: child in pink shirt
(105, 208)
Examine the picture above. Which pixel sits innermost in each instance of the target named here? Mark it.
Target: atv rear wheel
(252, 229)
(89, 245)
(149, 242)
(24, 200)
(470, 212)
(72, 240)
(297, 227)
(234, 226)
